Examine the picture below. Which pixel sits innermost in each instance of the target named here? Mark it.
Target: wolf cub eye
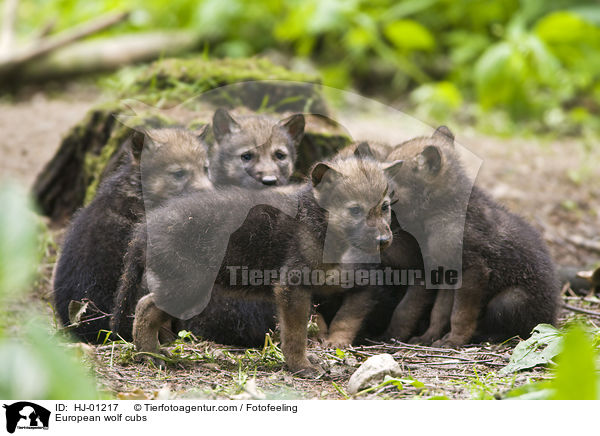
(179, 174)
(355, 211)
(246, 157)
(385, 206)
(280, 155)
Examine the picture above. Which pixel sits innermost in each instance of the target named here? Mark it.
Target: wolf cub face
(357, 197)
(173, 161)
(254, 151)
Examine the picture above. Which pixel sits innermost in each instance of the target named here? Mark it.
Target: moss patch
(173, 81)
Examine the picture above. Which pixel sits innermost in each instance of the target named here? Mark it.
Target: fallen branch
(42, 47)
(108, 54)
(581, 310)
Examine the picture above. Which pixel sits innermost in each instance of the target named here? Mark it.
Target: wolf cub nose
(269, 180)
(384, 240)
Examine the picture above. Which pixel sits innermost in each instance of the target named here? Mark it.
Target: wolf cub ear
(223, 124)
(391, 168)
(137, 144)
(293, 126)
(203, 133)
(430, 160)
(444, 134)
(363, 151)
(322, 174)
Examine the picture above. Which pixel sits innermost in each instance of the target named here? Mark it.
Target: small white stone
(372, 372)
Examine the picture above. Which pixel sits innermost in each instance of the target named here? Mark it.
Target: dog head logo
(26, 415)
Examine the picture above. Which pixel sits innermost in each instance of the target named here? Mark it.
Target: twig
(454, 362)
(581, 310)
(591, 299)
(46, 45)
(451, 357)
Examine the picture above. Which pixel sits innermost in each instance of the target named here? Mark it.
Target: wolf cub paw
(449, 342)
(310, 368)
(336, 341)
(397, 334)
(422, 340)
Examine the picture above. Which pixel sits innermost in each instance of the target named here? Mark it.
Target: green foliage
(543, 345)
(393, 381)
(576, 375)
(18, 242)
(34, 365)
(537, 61)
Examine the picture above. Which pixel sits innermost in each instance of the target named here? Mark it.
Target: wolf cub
(508, 278)
(173, 161)
(344, 207)
(254, 151)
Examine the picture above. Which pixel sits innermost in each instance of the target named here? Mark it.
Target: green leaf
(495, 72)
(18, 232)
(561, 27)
(531, 391)
(409, 35)
(76, 310)
(41, 368)
(543, 345)
(576, 377)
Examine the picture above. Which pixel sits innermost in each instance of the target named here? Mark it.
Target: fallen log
(108, 54)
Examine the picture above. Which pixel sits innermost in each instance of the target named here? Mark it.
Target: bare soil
(553, 183)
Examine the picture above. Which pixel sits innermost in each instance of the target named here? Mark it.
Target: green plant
(575, 375)
(34, 364)
(537, 62)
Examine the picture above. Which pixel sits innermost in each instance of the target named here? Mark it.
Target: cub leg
(408, 312)
(293, 306)
(439, 320)
(466, 309)
(349, 319)
(146, 326)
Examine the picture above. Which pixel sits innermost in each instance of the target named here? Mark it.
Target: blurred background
(505, 63)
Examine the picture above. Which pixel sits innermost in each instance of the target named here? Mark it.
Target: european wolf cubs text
(91, 261)
(508, 279)
(254, 151)
(346, 202)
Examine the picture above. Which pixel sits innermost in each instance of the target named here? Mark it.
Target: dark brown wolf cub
(508, 278)
(255, 150)
(344, 207)
(91, 260)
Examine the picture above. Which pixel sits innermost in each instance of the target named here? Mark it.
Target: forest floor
(555, 184)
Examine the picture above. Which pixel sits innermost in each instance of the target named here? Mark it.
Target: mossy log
(94, 147)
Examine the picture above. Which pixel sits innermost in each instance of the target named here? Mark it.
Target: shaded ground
(555, 184)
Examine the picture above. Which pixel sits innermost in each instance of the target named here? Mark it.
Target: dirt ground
(553, 183)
